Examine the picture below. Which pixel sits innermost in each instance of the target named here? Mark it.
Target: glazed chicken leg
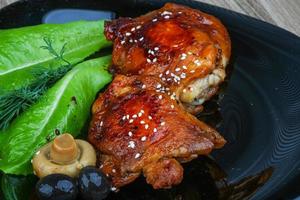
(136, 129)
(185, 48)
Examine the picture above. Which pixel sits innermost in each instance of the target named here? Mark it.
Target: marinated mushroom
(64, 155)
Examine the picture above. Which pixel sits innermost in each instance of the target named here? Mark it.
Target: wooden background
(283, 13)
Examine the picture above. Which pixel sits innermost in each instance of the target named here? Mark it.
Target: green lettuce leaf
(17, 187)
(22, 50)
(65, 107)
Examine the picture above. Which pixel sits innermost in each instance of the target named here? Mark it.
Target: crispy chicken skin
(137, 129)
(185, 48)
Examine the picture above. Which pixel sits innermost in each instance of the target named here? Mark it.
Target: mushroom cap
(44, 164)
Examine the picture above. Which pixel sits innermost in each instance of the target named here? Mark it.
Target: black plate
(261, 106)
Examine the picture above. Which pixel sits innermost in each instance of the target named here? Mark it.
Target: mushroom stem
(64, 149)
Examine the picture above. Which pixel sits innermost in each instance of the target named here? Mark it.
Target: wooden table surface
(283, 13)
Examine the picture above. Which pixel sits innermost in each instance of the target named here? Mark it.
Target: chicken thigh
(136, 129)
(185, 48)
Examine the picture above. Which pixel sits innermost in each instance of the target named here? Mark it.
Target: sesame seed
(190, 53)
(158, 86)
(130, 121)
(128, 34)
(172, 106)
(180, 12)
(138, 27)
(113, 171)
(124, 117)
(154, 20)
(192, 71)
(131, 41)
(122, 42)
(177, 69)
(164, 79)
(162, 123)
(146, 126)
(127, 116)
(113, 189)
(183, 54)
(149, 117)
(135, 41)
(101, 166)
(167, 72)
(183, 58)
(143, 86)
(167, 17)
(140, 114)
(131, 144)
(191, 89)
(197, 62)
(142, 111)
(168, 79)
(133, 29)
(156, 48)
(184, 90)
(183, 75)
(160, 75)
(148, 60)
(130, 133)
(154, 60)
(134, 116)
(160, 97)
(155, 130)
(137, 155)
(37, 153)
(141, 39)
(31, 161)
(144, 138)
(101, 123)
(142, 122)
(184, 67)
(166, 13)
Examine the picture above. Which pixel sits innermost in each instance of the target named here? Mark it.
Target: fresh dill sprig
(12, 105)
(16, 102)
(58, 56)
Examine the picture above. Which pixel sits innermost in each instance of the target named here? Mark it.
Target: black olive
(93, 184)
(57, 187)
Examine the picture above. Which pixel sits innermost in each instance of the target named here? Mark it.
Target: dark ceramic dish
(260, 107)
